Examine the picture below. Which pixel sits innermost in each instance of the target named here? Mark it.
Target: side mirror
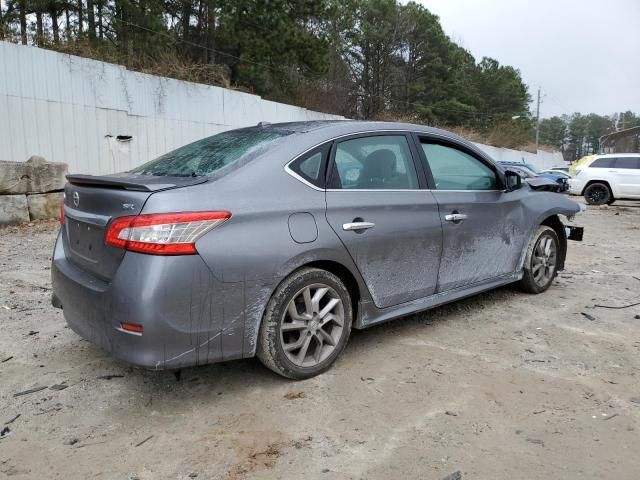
(512, 181)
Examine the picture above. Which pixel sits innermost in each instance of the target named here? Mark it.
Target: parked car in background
(560, 168)
(277, 240)
(603, 179)
(559, 178)
(560, 173)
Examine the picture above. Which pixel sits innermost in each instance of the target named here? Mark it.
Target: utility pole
(538, 121)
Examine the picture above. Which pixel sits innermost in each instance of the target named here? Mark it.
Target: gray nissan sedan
(277, 240)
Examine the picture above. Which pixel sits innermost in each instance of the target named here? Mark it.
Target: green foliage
(578, 135)
(553, 132)
(628, 119)
(272, 45)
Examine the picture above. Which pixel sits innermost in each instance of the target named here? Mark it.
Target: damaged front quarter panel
(547, 208)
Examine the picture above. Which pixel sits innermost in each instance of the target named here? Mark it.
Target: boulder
(44, 205)
(36, 175)
(13, 209)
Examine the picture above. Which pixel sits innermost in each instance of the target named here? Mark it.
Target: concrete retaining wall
(101, 118)
(541, 160)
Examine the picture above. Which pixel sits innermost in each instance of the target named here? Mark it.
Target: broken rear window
(214, 155)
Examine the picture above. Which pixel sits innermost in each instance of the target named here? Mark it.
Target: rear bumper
(176, 299)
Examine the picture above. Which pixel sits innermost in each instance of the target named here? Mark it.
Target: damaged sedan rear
(276, 240)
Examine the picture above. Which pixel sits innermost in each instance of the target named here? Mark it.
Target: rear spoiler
(138, 183)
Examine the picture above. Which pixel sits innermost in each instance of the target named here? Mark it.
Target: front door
(483, 227)
(389, 225)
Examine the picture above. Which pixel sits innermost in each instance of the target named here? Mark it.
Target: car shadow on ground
(238, 377)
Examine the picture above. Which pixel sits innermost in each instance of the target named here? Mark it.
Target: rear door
(483, 227)
(626, 173)
(387, 220)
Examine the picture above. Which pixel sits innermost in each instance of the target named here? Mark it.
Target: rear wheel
(598, 194)
(306, 325)
(541, 263)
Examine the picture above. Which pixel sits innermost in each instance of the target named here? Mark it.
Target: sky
(584, 55)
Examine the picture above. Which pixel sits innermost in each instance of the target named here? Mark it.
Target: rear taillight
(132, 327)
(163, 233)
(62, 212)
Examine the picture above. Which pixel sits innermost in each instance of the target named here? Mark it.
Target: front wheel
(306, 324)
(541, 263)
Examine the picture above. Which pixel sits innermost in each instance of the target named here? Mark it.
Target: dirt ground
(503, 385)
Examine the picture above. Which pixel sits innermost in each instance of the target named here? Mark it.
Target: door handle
(357, 226)
(455, 217)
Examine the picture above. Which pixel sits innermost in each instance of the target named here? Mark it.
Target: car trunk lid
(91, 202)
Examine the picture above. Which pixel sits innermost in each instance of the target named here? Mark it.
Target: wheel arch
(554, 222)
(592, 181)
(346, 276)
(351, 278)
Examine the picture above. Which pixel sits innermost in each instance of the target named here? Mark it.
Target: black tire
(598, 193)
(533, 281)
(272, 338)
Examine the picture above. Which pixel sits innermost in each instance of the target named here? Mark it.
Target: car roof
(320, 131)
(356, 126)
(610, 155)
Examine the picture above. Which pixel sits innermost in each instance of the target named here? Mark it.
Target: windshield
(532, 168)
(212, 155)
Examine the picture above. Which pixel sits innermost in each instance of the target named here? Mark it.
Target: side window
(311, 166)
(381, 162)
(603, 163)
(628, 162)
(453, 169)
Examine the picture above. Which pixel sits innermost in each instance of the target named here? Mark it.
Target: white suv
(607, 178)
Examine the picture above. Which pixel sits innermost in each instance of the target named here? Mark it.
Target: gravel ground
(499, 386)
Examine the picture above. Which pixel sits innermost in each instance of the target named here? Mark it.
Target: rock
(536, 441)
(454, 476)
(293, 395)
(70, 441)
(36, 175)
(44, 205)
(109, 377)
(13, 209)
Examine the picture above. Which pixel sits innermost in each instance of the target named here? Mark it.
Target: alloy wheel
(312, 325)
(597, 193)
(543, 261)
